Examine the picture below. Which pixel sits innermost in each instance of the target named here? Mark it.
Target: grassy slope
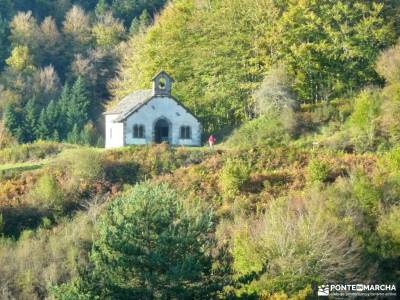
(194, 172)
(24, 166)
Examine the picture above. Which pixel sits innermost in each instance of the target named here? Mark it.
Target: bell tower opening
(162, 84)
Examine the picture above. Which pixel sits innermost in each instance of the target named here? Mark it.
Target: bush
(234, 175)
(82, 165)
(317, 171)
(6, 138)
(322, 113)
(389, 117)
(390, 161)
(28, 266)
(388, 64)
(47, 193)
(291, 246)
(275, 92)
(151, 160)
(367, 198)
(389, 233)
(363, 123)
(266, 130)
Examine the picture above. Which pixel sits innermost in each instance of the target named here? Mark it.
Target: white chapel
(151, 116)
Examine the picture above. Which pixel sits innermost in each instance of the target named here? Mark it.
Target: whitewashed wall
(114, 132)
(168, 108)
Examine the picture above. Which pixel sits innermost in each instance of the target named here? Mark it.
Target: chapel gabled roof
(134, 101)
(130, 102)
(163, 73)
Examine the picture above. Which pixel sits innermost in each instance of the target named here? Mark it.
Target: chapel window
(138, 131)
(186, 132)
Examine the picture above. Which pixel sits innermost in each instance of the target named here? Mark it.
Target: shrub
(363, 123)
(28, 266)
(47, 193)
(323, 112)
(389, 117)
(389, 232)
(388, 64)
(6, 138)
(390, 161)
(234, 174)
(291, 246)
(150, 160)
(274, 92)
(266, 130)
(317, 171)
(83, 165)
(367, 197)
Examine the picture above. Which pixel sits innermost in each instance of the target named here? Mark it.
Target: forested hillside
(220, 51)
(56, 58)
(302, 189)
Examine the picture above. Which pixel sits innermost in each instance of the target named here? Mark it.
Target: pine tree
(4, 49)
(140, 23)
(164, 251)
(135, 25)
(51, 118)
(144, 20)
(31, 119)
(42, 131)
(56, 136)
(88, 135)
(102, 8)
(13, 122)
(63, 108)
(78, 105)
(74, 135)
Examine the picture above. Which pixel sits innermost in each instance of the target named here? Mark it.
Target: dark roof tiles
(130, 102)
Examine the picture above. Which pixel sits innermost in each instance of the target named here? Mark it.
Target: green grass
(25, 166)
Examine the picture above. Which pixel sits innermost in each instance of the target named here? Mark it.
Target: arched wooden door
(161, 131)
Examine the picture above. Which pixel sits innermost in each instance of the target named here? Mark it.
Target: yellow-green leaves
(20, 59)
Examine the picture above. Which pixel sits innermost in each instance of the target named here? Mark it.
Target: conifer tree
(31, 119)
(13, 122)
(56, 136)
(4, 31)
(101, 8)
(63, 107)
(164, 251)
(78, 105)
(52, 117)
(74, 136)
(140, 23)
(42, 131)
(145, 19)
(88, 135)
(135, 26)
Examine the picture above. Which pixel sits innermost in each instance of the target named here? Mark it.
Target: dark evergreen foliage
(151, 246)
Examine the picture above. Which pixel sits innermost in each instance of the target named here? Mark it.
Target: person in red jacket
(211, 141)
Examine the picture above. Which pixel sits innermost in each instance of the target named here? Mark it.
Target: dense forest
(57, 58)
(302, 189)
